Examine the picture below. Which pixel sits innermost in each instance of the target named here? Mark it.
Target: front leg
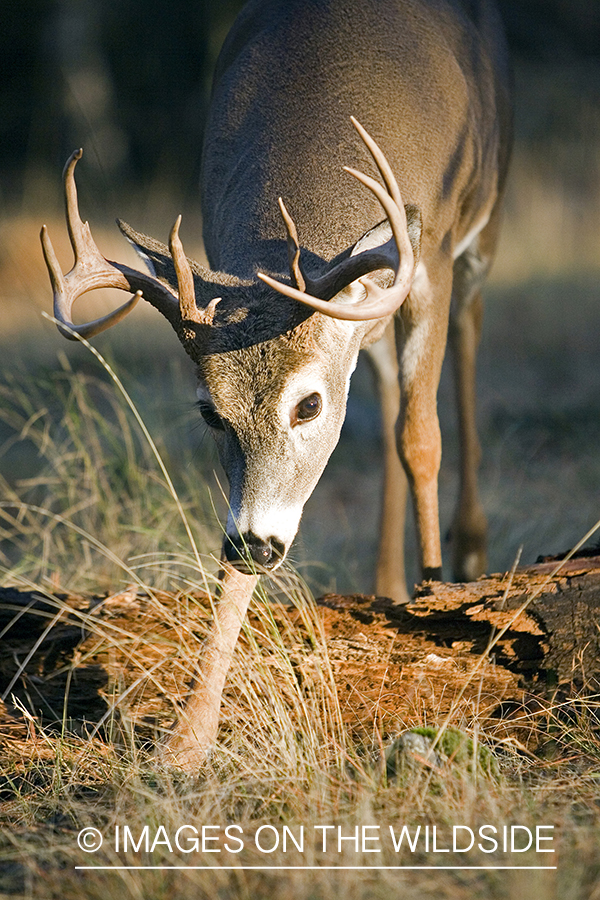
(195, 731)
(469, 529)
(421, 332)
(390, 575)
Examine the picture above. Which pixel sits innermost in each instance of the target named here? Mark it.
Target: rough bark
(134, 654)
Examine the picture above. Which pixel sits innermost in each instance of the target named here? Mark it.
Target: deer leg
(195, 732)
(421, 330)
(469, 529)
(390, 579)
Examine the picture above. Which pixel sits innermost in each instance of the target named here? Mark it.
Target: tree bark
(393, 666)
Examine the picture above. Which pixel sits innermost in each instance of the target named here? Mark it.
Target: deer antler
(91, 271)
(379, 302)
(185, 281)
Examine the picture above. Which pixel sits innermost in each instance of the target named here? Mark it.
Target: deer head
(273, 359)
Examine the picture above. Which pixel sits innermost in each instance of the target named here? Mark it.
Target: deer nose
(245, 549)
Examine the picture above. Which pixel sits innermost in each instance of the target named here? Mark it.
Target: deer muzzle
(248, 551)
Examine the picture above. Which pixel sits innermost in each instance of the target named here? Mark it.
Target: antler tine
(293, 247)
(379, 302)
(381, 162)
(90, 270)
(78, 234)
(185, 278)
(397, 218)
(64, 299)
(185, 282)
(395, 210)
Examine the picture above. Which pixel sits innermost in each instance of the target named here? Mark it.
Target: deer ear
(380, 236)
(158, 258)
(155, 255)
(414, 222)
(382, 233)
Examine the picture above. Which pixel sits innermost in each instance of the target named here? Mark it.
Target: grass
(286, 761)
(95, 474)
(99, 513)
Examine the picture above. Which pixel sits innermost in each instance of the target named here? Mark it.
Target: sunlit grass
(93, 499)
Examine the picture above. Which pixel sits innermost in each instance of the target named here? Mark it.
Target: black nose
(247, 550)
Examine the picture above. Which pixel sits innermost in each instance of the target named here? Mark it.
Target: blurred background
(129, 80)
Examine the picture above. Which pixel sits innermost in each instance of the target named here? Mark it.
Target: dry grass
(285, 760)
(84, 483)
(285, 756)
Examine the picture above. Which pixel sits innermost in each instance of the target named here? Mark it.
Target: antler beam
(91, 271)
(395, 254)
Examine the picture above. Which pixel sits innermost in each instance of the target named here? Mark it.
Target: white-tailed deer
(276, 325)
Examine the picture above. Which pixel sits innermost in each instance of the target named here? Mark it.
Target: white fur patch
(383, 355)
(376, 237)
(146, 259)
(416, 341)
(470, 237)
(266, 521)
(472, 566)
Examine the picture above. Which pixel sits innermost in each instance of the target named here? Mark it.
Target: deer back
(427, 78)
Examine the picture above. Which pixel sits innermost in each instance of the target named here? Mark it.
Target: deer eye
(211, 416)
(308, 408)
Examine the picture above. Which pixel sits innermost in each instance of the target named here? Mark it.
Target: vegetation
(100, 512)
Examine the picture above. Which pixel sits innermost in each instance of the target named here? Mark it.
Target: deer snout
(247, 550)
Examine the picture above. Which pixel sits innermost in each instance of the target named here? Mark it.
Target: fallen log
(498, 651)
